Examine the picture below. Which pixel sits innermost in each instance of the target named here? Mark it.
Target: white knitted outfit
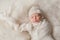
(38, 31)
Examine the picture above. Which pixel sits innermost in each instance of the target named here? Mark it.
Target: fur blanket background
(12, 13)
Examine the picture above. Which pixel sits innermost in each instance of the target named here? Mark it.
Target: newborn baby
(37, 27)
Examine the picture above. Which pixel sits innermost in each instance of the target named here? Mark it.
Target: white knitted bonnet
(33, 10)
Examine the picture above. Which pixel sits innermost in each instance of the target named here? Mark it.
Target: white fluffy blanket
(14, 12)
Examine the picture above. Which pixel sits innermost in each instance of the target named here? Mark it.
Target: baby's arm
(22, 27)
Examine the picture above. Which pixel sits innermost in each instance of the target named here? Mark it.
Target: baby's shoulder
(45, 21)
(24, 24)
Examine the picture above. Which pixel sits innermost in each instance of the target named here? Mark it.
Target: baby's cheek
(31, 19)
(38, 19)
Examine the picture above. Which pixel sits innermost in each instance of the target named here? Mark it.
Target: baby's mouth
(35, 21)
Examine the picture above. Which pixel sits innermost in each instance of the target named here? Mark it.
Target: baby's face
(35, 18)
